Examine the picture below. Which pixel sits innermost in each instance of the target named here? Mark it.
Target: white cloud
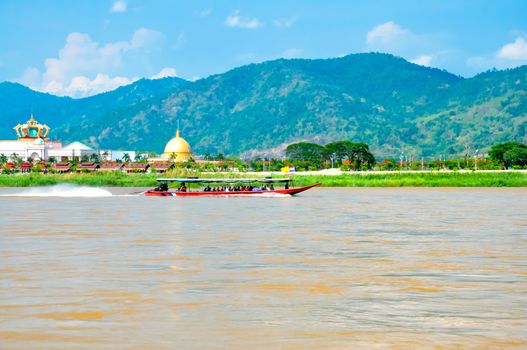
(146, 38)
(425, 49)
(119, 6)
(238, 21)
(292, 53)
(285, 22)
(509, 55)
(424, 60)
(30, 77)
(83, 86)
(83, 67)
(206, 12)
(514, 51)
(387, 34)
(164, 73)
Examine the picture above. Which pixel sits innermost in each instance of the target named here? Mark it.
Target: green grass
(96, 179)
(438, 179)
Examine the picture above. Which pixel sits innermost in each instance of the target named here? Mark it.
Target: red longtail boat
(227, 187)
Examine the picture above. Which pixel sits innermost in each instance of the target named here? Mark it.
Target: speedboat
(194, 187)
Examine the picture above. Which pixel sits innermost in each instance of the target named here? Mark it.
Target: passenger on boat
(272, 187)
(182, 187)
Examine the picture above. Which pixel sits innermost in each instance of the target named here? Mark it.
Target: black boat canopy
(241, 180)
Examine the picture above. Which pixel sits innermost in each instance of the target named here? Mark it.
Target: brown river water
(338, 268)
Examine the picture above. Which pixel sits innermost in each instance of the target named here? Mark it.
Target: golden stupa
(177, 149)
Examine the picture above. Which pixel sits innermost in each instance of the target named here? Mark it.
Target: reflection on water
(331, 269)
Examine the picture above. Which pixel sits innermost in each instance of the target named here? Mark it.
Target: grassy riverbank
(395, 179)
(417, 179)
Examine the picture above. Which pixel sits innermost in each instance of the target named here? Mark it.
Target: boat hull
(271, 193)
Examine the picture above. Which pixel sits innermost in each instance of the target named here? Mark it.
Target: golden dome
(177, 149)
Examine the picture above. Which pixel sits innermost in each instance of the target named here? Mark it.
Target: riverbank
(363, 179)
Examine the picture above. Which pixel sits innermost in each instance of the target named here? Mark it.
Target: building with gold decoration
(33, 143)
(176, 150)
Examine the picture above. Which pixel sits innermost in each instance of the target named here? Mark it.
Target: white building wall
(22, 149)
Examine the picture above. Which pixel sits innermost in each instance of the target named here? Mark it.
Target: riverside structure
(33, 143)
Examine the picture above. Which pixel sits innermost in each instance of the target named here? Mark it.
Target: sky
(81, 48)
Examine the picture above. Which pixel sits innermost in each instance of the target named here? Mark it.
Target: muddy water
(330, 269)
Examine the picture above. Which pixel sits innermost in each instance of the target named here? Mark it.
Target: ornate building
(34, 144)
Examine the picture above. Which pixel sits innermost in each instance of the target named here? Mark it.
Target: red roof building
(62, 167)
(87, 167)
(136, 167)
(111, 166)
(25, 167)
(162, 167)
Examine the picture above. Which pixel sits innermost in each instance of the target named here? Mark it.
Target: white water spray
(63, 190)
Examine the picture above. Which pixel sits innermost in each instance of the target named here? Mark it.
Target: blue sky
(79, 48)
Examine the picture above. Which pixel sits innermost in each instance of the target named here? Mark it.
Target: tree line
(312, 155)
(345, 155)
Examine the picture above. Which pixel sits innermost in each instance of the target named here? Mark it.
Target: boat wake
(269, 195)
(63, 190)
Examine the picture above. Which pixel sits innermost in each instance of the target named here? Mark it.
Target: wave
(63, 190)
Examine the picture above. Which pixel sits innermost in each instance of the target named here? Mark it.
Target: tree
(497, 152)
(361, 156)
(3, 158)
(339, 150)
(515, 156)
(85, 158)
(312, 153)
(52, 159)
(94, 157)
(17, 161)
(126, 158)
(105, 154)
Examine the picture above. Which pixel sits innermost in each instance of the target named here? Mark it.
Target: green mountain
(383, 100)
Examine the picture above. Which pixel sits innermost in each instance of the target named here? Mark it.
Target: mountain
(383, 100)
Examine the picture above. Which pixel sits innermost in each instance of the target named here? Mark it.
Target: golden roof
(178, 149)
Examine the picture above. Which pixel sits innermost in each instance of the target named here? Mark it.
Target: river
(333, 268)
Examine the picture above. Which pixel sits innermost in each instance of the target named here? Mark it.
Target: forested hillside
(385, 101)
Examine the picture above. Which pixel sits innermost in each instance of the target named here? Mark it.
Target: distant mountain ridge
(383, 100)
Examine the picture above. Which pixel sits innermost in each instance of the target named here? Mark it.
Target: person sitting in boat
(272, 187)
(182, 187)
